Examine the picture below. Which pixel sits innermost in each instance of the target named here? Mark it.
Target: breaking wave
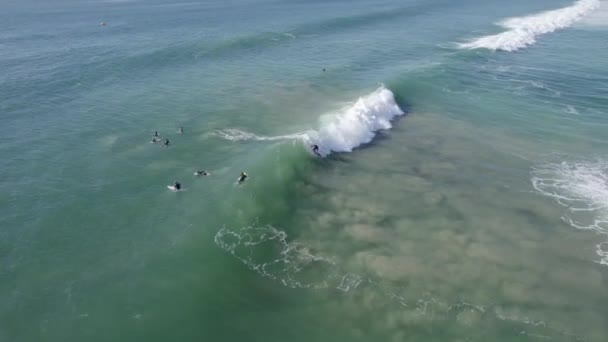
(343, 131)
(522, 31)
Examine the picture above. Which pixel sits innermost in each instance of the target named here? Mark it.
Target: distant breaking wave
(524, 30)
(343, 131)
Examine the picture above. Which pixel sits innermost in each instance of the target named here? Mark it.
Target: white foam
(292, 261)
(342, 131)
(581, 187)
(597, 19)
(522, 31)
(572, 110)
(356, 124)
(234, 134)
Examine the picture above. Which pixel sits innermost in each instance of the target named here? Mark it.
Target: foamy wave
(343, 131)
(583, 189)
(357, 124)
(524, 30)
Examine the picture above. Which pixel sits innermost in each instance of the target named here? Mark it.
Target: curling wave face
(343, 131)
(523, 31)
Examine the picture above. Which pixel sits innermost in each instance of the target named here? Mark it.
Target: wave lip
(522, 31)
(582, 188)
(342, 131)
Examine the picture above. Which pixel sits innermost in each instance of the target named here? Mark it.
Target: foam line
(523, 31)
(582, 187)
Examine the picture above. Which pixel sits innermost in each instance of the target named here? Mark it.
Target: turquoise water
(462, 194)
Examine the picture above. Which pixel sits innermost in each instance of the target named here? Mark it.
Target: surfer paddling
(175, 187)
(155, 137)
(167, 143)
(242, 178)
(201, 173)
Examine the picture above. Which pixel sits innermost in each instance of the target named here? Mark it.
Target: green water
(478, 215)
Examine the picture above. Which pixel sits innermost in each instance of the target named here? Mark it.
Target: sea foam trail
(582, 188)
(522, 31)
(352, 126)
(234, 134)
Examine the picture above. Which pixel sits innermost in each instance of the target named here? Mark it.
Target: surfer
(181, 130)
(156, 134)
(201, 173)
(167, 143)
(177, 186)
(315, 150)
(242, 178)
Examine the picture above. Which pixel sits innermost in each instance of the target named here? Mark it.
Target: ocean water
(461, 193)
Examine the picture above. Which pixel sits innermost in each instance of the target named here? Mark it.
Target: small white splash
(349, 281)
(522, 31)
(572, 110)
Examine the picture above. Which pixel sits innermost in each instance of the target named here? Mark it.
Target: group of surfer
(177, 186)
(242, 177)
(156, 138)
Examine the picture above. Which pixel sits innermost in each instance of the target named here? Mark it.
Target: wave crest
(357, 124)
(524, 30)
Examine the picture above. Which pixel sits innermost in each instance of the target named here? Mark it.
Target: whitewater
(581, 187)
(523, 31)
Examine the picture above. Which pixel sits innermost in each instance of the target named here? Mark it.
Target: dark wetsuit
(167, 143)
(242, 178)
(177, 186)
